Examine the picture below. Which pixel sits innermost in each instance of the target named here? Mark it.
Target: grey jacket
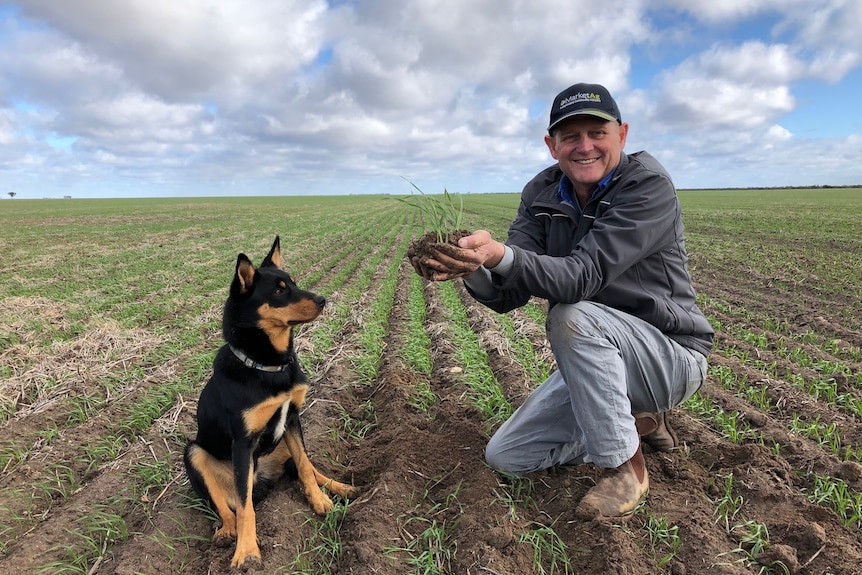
(625, 250)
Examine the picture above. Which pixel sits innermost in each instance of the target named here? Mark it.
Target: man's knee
(494, 456)
(503, 460)
(568, 320)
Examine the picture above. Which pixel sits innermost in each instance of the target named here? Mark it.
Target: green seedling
(440, 215)
(323, 550)
(548, 550)
(486, 394)
(664, 538)
(728, 505)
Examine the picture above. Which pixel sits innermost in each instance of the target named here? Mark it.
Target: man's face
(588, 149)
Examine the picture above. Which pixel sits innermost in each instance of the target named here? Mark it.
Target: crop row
(774, 384)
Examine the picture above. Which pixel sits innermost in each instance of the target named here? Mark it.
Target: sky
(162, 98)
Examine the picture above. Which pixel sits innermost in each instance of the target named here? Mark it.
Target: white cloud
(778, 133)
(736, 87)
(752, 62)
(827, 28)
(828, 22)
(257, 95)
(833, 65)
(178, 50)
(830, 29)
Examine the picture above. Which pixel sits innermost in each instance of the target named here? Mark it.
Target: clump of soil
(427, 245)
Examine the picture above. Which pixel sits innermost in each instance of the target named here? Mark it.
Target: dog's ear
(244, 279)
(274, 257)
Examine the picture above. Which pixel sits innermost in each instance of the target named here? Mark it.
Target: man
(600, 236)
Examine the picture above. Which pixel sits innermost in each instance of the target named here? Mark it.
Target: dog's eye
(281, 288)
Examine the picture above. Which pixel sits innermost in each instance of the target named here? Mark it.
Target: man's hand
(450, 262)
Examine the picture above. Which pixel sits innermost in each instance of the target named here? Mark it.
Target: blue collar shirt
(566, 193)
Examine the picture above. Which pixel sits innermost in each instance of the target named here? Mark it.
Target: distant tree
(12, 194)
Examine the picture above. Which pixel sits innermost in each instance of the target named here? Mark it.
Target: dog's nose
(320, 301)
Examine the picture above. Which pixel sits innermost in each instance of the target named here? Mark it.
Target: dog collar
(249, 362)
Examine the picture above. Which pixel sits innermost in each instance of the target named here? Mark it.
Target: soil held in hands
(426, 246)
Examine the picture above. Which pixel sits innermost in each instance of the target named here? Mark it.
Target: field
(110, 317)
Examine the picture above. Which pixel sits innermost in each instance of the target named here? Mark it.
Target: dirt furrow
(769, 487)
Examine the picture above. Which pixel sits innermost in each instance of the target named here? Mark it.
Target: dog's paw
(247, 563)
(341, 489)
(320, 502)
(224, 537)
(346, 491)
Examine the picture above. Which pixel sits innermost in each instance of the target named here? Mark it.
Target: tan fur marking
(246, 531)
(277, 321)
(340, 489)
(278, 332)
(271, 465)
(276, 257)
(218, 477)
(297, 395)
(319, 501)
(256, 418)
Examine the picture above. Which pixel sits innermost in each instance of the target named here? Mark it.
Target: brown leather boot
(655, 431)
(618, 493)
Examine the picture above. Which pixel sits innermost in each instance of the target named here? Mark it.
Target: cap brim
(585, 112)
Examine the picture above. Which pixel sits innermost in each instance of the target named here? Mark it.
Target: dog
(249, 434)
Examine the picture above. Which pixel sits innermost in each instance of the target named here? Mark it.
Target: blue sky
(137, 98)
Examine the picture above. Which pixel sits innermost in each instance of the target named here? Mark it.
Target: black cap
(589, 99)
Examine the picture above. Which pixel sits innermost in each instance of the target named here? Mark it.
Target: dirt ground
(416, 467)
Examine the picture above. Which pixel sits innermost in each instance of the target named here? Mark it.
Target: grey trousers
(610, 365)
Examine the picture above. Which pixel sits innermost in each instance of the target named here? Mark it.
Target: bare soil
(417, 464)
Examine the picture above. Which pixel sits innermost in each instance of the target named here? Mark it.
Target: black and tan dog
(249, 433)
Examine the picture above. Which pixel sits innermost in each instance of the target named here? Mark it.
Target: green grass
(323, 550)
(159, 269)
(664, 539)
(790, 235)
(440, 213)
(550, 553)
(430, 546)
(485, 390)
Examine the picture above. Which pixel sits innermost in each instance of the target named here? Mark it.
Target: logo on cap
(580, 97)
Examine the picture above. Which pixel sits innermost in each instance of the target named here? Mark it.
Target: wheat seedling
(442, 216)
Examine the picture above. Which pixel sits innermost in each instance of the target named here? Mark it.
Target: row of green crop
(551, 554)
(759, 342)
(60, 482)
(832, 493)
(766, 332)
(496, 408)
